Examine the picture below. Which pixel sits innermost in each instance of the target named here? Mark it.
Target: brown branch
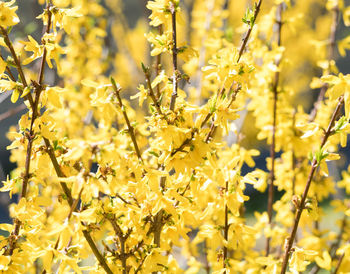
(247, 35)
(241, 50)
(126, 118)
(96, 252)
(174, 50)
(58, 170)
(123, 255)
(34, 104)
(207, 266)
(213, 127)
(273, 142)
(68, 194)
(29, 135)
(159, 63)
(339, 263)
(301, 205)
(17, 63)
(72, 209)
(8, 70)
(226, 227)
(151, 94)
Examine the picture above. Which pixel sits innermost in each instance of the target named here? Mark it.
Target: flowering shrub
(117, 182)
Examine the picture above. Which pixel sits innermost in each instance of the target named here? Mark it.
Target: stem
(294, 160)
(34, 104)
(273, 142)
(213, 127)
(241, 50)
(339, 263)
(122, 238)
(30, 135)
(174, 50)
(96, 252)
(301, 207)
(68, 194)
(126, 118)
(58, 170)
(246, 37)
(17, 63)
(226, 227)
(158, 223)
(207, 266)
(150, 90)
(8, 70)
(159, 63)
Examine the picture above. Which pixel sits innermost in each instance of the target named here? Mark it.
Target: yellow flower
(325, 261)
(8, 16)
(299, 258)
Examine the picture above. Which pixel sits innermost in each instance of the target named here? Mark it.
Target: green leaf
(341, 123)
(249, 17)
(153, 153)
(144, 68)
(320, 155)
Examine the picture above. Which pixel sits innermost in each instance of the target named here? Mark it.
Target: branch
(68, 194)
(247, 35)
(174, 50)
(241, 50)
(146, 71)
(29, 135)
(301, 206)
(96, 252)
(8, 70)
(226, 227)
(339, 263)
(159, 62)
(17, 63)
(126, 118)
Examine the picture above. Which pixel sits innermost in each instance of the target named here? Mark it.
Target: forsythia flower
(8, 16)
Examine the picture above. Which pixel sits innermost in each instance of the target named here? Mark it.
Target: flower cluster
(138, 147)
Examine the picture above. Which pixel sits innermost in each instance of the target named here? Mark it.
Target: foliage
(154, 181)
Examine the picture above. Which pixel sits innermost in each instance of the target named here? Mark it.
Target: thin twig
(241, 50)
(339, 263)
(226, 227)
(70, 200)
(126, 118)
(29, 135)
(8, 70)
(159, 63)
(146, 71)
(247, 35)
(17, 62)
(174, 50)
(301, 206)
